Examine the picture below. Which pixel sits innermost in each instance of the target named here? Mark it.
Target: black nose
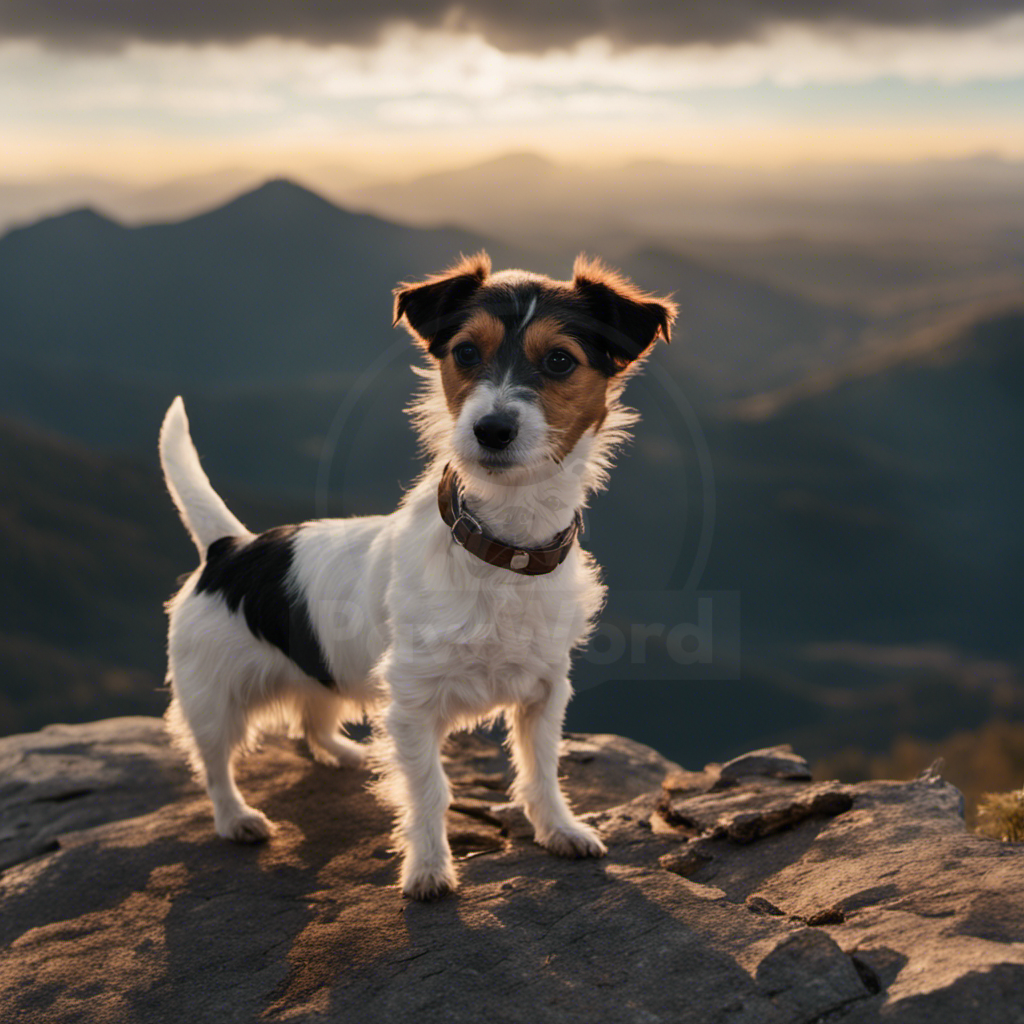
(496, 430)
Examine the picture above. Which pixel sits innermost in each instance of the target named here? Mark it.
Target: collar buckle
(467, 520)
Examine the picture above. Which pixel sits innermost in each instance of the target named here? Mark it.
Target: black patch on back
(253, 575)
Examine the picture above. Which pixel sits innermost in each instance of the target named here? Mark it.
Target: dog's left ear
(434, 309)
(628, 319)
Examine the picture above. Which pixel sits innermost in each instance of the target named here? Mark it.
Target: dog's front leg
(427, 869)
(535, 733)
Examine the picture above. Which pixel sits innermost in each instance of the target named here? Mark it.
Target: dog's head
(529, 365)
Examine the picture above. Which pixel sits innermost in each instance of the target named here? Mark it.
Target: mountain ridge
(950, 336)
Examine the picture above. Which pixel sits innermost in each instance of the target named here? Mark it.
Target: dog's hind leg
(320, 724)
(212, 737)
(535, 734)
(234, 818)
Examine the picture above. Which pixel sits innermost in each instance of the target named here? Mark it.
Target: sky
(152, 91)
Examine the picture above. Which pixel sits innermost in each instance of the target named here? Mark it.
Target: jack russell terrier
(463, 604)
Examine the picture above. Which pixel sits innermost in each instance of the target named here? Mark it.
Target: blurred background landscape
(217, 202)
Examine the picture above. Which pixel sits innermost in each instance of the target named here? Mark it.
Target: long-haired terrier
(462, 604)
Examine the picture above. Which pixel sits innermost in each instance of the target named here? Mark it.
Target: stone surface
(771, 762)
(768, 899)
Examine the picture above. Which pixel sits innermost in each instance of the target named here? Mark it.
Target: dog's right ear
(434, 309)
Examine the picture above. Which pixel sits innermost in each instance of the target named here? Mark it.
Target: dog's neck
(527, 509)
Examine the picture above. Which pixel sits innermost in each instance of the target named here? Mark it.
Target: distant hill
(886, 237)
(91, 548)
(280, 285)
(849, 201)
(887, 505)
(740, 335)
(276, 284)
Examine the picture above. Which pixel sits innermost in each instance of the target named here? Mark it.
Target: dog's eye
(558, 363)
(466, 354)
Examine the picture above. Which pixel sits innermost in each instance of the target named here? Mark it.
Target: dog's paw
(428, 883)
(247, 826)
(576, 840)
(337, 751)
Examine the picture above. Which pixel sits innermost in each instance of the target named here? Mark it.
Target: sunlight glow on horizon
(139, 159)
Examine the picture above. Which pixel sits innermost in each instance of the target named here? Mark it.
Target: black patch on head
(610, 317)
(555, 300)
(435, 309)
(254, 575)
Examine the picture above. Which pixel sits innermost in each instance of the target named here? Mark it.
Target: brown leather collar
(470, 534)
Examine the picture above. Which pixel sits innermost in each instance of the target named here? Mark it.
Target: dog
(462, 605)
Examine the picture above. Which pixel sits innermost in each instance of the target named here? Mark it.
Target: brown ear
(628, 319)
(434, 309)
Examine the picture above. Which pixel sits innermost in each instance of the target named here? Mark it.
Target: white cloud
(413, 66)
(534, 107)
(413, 62)
(196, 101)
(424, 112)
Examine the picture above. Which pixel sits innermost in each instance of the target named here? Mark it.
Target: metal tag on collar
(520, 560)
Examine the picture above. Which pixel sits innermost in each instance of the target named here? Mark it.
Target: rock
(686, 861)
(771, 762)
(752, 811)
(772, 899)
(68, 778)
(807, 974)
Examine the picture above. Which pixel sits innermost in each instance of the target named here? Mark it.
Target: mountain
(91, 548)
(275, 284)
(740, 335)
(882, 236)
(863, 554)
(864, 543)
(864, 201)
(25, 202)
(268, 312)
(459, 195)
(885, 506)
(280, 284)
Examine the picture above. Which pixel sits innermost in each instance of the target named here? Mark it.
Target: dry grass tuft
(1001, 816)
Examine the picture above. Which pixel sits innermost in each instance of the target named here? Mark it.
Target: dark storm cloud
(511, 24)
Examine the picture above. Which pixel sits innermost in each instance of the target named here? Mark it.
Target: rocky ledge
(742, 893)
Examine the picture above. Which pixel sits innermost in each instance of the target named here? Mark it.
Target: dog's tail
(202, 509)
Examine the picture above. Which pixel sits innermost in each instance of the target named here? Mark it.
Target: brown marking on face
(575, 403)
(487, 333)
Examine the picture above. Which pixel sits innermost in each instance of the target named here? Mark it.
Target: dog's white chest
(479, 637)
